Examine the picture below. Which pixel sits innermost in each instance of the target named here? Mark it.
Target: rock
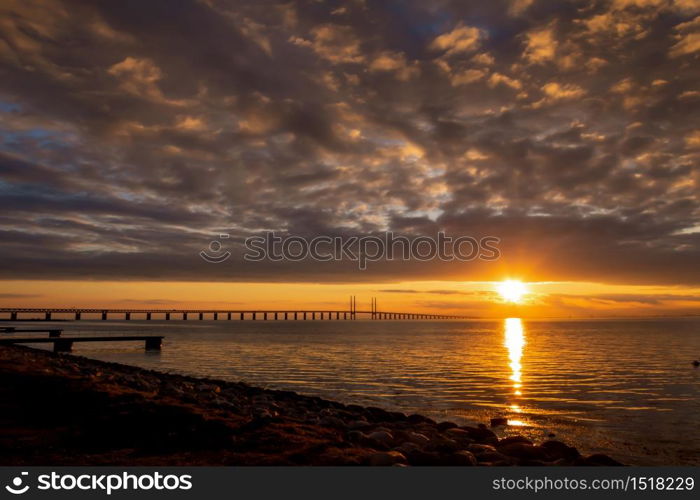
(513, 439)
(419, 419)
(382, 437)
(481, 448)
(523, 451)
(482, 435)
(386, 458)
(262, 413)
(418, 438)
(496, 422)
(407, 447)
(459, 435)
(419, 458)
(358, 424)
(444, 445)
(331, 422)
(599, 459)
(494, 458)
(462, 457)
(558, 450)
(396, 416)
(443, 426)
(208, 388)
(356, 436)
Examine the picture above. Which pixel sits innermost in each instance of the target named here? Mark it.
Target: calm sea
(622, 387)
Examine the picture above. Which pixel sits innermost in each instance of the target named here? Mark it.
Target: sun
(512, 290)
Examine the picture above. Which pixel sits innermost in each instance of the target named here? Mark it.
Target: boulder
(387, 458)
(523, 451)
(499, 421)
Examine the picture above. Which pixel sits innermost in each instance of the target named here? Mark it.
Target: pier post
(337, 315)
(153, 344)
(216, 316)
(228, 316)
(242, 316)
(304, 315)
(13, 316)
(313, 315)
(167, 316)
(184, 316)
(264, 316)
(63, 345)
(275, 315)
(104, 315)
(148, 316)
(201, 316)
(127, 316)
(285, 314)
(345, 315)
(253, 315)
(47, 316)
(77, 316)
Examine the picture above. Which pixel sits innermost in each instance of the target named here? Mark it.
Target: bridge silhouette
(352, 313)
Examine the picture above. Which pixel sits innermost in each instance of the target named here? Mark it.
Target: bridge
(352, 313)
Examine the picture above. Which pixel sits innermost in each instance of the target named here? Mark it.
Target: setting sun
(512, 290)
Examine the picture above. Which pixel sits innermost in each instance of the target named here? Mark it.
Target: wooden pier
(352, 313)
(65, 344)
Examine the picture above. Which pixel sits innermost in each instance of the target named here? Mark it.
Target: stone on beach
(387, 458)
(167, 419)
(499, 421)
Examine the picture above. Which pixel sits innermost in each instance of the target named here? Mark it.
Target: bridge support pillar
(285, 315)
(265, 316)
(275, 316)
(127, 316)
(148, 316)
(216, 316)
(242, 316)
(313, 315)
(253, 316)
(184, 316)
(104, 315)
(77, 316)
(304, 314)
(167, 316)
(228, 316)
(201, 316)
(47, 316)
(13, 316)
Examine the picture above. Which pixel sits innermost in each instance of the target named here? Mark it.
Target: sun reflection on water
(514, 342)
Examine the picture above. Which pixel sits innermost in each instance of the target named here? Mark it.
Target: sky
(135, 133)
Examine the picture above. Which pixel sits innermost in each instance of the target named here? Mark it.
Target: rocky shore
(69, 410)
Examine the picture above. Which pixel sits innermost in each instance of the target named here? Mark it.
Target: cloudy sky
(133, 133)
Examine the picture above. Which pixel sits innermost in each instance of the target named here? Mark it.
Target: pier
(352, 313)
(65, 344)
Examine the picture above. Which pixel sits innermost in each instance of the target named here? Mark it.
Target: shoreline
(71, 410)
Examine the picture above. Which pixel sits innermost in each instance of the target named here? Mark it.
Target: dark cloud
(135, 132)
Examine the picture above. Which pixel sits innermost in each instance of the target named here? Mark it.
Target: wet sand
(69, 410)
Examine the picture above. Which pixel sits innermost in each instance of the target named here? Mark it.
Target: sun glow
(512, 290)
